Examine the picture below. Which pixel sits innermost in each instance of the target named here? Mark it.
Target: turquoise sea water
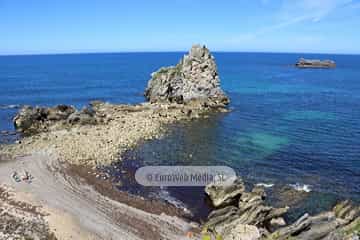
(287, 125)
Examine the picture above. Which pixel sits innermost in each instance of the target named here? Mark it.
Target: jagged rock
(340, 222)
(292, 230)
(348, 232)
(226, 192)
(346, 211)
(251, 211)
(218, 220)
(314, 63)
(195, 77)
(32, 119)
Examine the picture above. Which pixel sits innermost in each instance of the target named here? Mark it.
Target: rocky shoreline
(242, 214)
(99, 134)
(113, 130)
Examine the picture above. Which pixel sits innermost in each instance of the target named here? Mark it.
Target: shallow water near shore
(187, 144)
(288, 126)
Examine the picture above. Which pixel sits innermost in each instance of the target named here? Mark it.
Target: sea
(288, 127)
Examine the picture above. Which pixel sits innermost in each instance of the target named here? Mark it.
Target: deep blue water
(287, 125)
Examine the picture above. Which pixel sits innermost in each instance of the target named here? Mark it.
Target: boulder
(314, 63)
(222, 194)
(195, 77)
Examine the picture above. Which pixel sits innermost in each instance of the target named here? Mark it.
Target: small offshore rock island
(315, 63)
(65, 147)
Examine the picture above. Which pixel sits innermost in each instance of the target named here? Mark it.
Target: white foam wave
(10, 106)
(301, 187)
(265, 185)
(165, 195)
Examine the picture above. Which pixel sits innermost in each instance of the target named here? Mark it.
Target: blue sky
(42, 26)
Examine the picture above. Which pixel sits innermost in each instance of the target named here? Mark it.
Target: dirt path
(77, 211)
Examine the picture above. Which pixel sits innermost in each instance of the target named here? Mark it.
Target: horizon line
(162, 51)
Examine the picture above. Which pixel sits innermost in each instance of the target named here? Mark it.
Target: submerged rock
(314, 63)
(195, 77)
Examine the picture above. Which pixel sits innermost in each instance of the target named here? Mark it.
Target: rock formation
(241, 210)
(252, 219)
(193, 82)
(195, 77)
(314, 63)
(342, 222)
(31, 120)
(225, 193)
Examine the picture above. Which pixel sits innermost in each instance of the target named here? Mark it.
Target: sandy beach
(74, 210)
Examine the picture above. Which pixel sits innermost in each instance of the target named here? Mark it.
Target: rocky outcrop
(314, 63)
(339, 223)
(252, 219)
(32, 120)
(195, 77)
(193, 83)
(118, 129)
(226, 193)
(246, 210)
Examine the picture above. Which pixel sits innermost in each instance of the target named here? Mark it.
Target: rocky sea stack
(195, 77)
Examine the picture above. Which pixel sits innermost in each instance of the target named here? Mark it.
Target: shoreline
(66, 150)
(64, 196)
(119, 128)
(64, 154)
